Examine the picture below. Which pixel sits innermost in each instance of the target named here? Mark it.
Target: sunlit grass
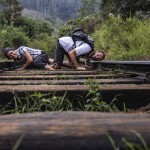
(124, 40)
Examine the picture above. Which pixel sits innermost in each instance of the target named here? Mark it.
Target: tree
(109, 6)
(89, 7)
(125, 8)
(11, 10)
(62, 10)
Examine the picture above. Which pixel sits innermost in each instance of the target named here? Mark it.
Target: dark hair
(6, 50)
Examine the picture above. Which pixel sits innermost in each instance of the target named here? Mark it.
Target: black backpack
(78, 34)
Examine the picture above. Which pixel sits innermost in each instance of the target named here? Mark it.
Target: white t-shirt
(68, 45)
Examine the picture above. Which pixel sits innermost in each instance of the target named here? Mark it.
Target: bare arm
(29, 60)
(72, 55)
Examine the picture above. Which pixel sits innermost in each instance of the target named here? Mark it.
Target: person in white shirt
(65, 46)
(31, 58)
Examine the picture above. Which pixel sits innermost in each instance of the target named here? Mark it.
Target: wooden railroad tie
(73, 130)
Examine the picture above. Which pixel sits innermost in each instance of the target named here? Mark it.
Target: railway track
(131, 87)
(128, 82)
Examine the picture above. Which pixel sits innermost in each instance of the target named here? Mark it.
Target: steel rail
(138, 66)
(143, 66)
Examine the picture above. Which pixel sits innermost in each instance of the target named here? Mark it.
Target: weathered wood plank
(50, 88)
(132, 95)
(71, 82)
(46, 72)
(72, 130)
(61, 77)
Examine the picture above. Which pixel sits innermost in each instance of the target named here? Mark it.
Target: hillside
(33, 14)
(53, 9)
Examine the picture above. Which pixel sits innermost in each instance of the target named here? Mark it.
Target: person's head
(10, 53)
(97, 56)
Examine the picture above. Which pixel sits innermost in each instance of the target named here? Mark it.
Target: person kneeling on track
(65, 46)
(31, 58)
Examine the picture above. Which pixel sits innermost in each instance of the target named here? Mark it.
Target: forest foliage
(120, 28)
(54, 9)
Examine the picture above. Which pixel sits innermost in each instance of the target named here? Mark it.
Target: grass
(124, 40)
(128, 145)
(39, 102)
(17, 144)
(94, 100)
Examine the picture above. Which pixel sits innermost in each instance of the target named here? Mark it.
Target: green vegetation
(11, 11)
(39, 102)
(120, 28)
(94, 100)
(121, 39)
(54, 10)
(16, 30)
(124, 40)
(121, 36)
(125, 8)
(88, 23)
(12, 36)
(129, 145)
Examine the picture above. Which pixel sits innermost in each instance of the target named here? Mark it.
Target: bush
(12, 37)
(34, 27)
(44, 42)
(15, 37)
(88, 23)
(124, 40)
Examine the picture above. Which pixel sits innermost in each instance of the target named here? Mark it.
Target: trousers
(59, 55)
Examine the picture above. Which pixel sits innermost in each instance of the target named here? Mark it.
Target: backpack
(78, 34)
